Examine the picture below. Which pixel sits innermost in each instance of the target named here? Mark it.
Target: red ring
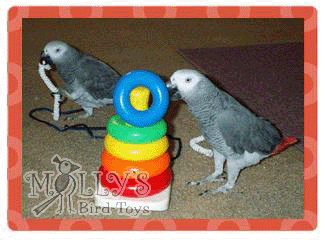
(156, 184)
(154, 167)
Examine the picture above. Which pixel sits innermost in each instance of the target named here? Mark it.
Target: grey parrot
(234, 132)
(87, 80)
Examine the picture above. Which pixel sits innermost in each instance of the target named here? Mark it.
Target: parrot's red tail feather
(286, 142)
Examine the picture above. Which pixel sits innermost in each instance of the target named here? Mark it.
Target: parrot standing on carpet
(88, 81)
(234, 132)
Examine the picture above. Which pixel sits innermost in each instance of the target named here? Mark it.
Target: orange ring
(154, 166)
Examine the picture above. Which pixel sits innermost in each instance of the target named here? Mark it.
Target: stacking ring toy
(159, 92)
(153, 167)
(135, 152)
(122, 131)
(156, 184)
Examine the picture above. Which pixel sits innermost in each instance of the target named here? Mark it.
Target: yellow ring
(136, 152)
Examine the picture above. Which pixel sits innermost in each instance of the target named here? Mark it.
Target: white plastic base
(157, 202)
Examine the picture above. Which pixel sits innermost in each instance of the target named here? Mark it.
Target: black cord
(89, 130)
(179, 149)
(77, 127)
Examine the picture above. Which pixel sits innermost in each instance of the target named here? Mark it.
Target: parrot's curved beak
(173, 91)
(45, 59)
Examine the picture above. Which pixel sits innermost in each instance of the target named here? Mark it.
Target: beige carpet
(272, 189)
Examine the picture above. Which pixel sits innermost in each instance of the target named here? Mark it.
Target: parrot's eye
(57, 50)
(188, 80)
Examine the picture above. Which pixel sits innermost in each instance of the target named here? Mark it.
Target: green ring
(122, 131)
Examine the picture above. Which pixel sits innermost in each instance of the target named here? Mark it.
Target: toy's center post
(139, 98)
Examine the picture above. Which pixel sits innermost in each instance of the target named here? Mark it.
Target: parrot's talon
(193, 183)
(76, 117)
(204, 193)
(70, 118)
(218, 190)
(205, 181)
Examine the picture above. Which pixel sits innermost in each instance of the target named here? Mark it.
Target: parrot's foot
(209, 179)
(218, 190)
(82, 115)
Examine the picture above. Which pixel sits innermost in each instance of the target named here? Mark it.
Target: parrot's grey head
(56, 52)
(185, 83)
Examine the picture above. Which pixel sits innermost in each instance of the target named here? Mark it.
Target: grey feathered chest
(229, 127)
(206, 114)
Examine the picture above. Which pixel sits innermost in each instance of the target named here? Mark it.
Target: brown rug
(269, 79)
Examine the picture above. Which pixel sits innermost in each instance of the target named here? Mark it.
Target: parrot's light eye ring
(188, 80)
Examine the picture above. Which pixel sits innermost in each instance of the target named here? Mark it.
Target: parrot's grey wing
(243, 131)
(97, 78)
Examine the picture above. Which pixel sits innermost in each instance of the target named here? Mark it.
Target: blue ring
(159, 92)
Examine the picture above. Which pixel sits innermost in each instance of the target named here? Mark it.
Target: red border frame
(15, 16)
